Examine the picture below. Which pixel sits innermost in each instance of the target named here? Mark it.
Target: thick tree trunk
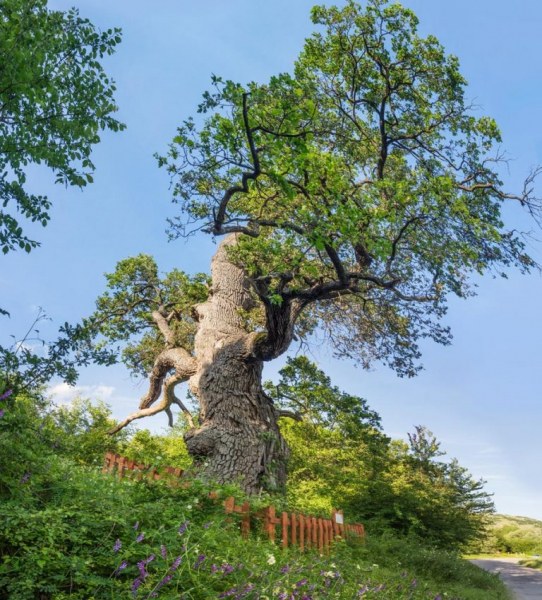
(238, 439)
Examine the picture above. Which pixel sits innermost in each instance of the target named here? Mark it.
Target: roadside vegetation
(68, 531)
(511, 536)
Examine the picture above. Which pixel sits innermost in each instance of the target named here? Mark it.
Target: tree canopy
(55, 98)
(363, 187)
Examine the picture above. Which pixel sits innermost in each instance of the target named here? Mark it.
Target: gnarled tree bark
(238, 438)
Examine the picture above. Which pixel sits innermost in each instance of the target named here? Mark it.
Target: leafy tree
(354, 195)
(54, 99)
(159, 450)
(23, 368)
(435, 500)
(79, 431)
(306, 393)
(341, 458)
(35, 438)
(337, 449)
(154, 317)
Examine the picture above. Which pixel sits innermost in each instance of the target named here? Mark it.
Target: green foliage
(25, 369)
(362, 184)
(34, 436)
(533, 563)
(167, 450)
(306, 390)
(147, 312)
(517, 535)
(100, 538)
(80, 431)
(437, 501)
(55, 98)
(67, 531)
(340, 458)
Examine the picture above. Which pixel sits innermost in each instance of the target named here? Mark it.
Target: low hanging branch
(184, 366)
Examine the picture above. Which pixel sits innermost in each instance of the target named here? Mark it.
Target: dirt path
(524, 582)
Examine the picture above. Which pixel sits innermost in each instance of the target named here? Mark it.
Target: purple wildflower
(161, 584)
(120, 568)
(117, 546)
(214, 568)
(1, 413)
(363, 590)
(136, 526)
(438, 597)
(142, 570)
(163, 551)
(301, 582)
(228, 593)
(207, 525)
(25, 478)
(183, 527)
(227, 568)
(140, 537)
(285, 569)
(135, 585)
(199, 560)
(246, 590)
(6, 395)
(414, 583)
(175, 564)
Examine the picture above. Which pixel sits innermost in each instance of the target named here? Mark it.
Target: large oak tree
(353, 195)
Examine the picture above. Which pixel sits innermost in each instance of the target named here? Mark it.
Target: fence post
(325, 523)
(245, 522)
(320, 536)
(284, 522)
(270, 522)
(293, 520)
(107, 460)
(120, 467)
(302, 533)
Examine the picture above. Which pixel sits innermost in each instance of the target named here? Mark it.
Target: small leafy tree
(338, 452)
(340, 457)
(354, 195)
(55, 98)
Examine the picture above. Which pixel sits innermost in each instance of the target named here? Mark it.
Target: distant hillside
(514, 534)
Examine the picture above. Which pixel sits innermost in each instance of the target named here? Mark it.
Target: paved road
(524, 582)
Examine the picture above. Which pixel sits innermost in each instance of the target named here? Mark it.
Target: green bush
(96, 537)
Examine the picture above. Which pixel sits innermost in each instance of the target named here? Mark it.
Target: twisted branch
(184, 366)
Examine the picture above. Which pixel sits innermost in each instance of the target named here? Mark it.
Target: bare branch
(288, 414)
(165, 329)
(184, 366)
(220, 216)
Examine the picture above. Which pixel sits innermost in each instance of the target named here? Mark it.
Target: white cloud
(62, 393)
(489, 450)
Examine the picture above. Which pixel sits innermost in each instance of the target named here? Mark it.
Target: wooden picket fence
(126, 467)
(302, 531)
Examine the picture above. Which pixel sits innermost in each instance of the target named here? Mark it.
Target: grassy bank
(75, 533)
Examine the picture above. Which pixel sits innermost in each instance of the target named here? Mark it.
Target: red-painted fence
(295, 529)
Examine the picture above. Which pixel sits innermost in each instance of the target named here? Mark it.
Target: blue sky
(481, 396)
